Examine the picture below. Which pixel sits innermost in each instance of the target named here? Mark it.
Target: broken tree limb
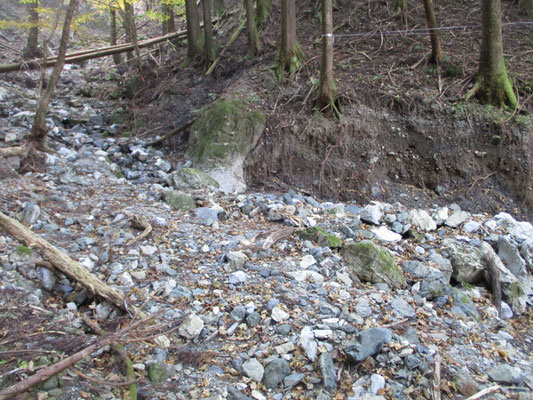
(139, 223)
(88, 54)
(172, 133)
(52, 370)
(62, 262)
(232, 40)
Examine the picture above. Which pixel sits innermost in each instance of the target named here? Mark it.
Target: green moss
(318, 235)
(516, 290)
(24, 251)
(179, 201)
(118, 173)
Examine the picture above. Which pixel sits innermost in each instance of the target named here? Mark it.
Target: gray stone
(293, 379)
(369, 262)
(328, 371)
(308, 343)
(179, 200)
(238, 277)
(471, 227)
(275, 371)
(253, 369)
(467, 261)
(372, 213)
(421, 219)
(191, 179)
(466, 385)
(377, 382)
(403, 308)
(207, 215)
(457, 218)
(526, 251)
(506, 374)
(253, 319)
(434, 285)
(31, 213)
(367, 343)
(238, 314)
(191, 327)
(386, 235)
(50, 384)
(416, 269)
(236, 394)
(463, 304)
(510, 255)
(47, 277)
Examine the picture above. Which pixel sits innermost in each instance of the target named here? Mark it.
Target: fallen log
(63, 263)
(172, 133)
(88, 54)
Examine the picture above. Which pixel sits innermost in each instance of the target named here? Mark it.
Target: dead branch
(435, 382)
(483, 392)
(172, 133)
(52, 370)
(139, 223)
(100, 382)
(12, 151)
(277, 235)
(63, 262)
(232, 40)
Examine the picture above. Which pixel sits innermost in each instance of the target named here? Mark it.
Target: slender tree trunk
(168, 24)
(251, 26)
(126, 12)
(194, 38)
(218, 7)
(492, 83)
(262, 11)
(38, 133)
(208, 32)
(32, 46)
(117, 58)
(436, 52)
(290, 56)
(171, 22)
(400, 6)
(131, 32)
(327, 90)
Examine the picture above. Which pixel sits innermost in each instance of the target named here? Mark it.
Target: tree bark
(290, 54)
(436, 52)
(327, 90)
(62, 262)
(209, 47)
(113, 22)
(32, 46)
(131, 32)
(194, 39)
(38, 132)
(262, 11)
(492, 83)
(251, 26)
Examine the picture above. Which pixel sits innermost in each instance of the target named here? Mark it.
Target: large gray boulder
(191, 179)
(467, 261)
(372, 263)
(221, 138)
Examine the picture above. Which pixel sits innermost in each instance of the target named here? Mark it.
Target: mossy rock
(318, 235)
(221, 138)
(157, 373)
(179, 200)
(119, 117)
(24, 251)
(372, 263)
(192, 178)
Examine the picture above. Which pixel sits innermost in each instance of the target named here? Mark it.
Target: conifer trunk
(37, 136)
(251, 27)
(208, 32)
(290, 56)
(194, 39)
(117, 58)
(327, 90)
(32, 46)
(492, 83)
(436, 52)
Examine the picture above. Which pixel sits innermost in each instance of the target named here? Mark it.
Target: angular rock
(510, 255)
(372, 213)
(308, 343)
(372, 263)
(328, 371)
(191, 327)
(367, 343)
(275, 371)
(506, 374)
(422, 220)
(386, 235)
(253, 369)
(179, 200)
(457, 218)
(318, 235)
(279, 314)
(191, 179)
(293, 379)
(467, 261)
(403, 308)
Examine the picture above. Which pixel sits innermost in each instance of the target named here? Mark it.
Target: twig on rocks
(139, 223)
(394, 324)
(172, 133)
(435, 382)
(100, 382)
(483, 392)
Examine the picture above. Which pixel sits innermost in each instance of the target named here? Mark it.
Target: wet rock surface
(354, 301)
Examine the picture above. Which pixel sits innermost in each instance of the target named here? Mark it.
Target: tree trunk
(436, 52)
(32, 46)
(208, 32)
(131, 32)
(262, 11)
(194, 39)
(38, 132)
(327, 91)
(113, 22)
(400, 6)
(218, 8)
(253, 34)
(492, 83)
(168, 24)
(290, 56)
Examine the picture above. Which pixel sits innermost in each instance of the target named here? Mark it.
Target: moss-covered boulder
(192, 178)
(157, 373)
(372, 263)
(221, 138)
(318, 235)
(179, 200)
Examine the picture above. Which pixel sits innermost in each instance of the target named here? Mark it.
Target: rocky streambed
(262, 295)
